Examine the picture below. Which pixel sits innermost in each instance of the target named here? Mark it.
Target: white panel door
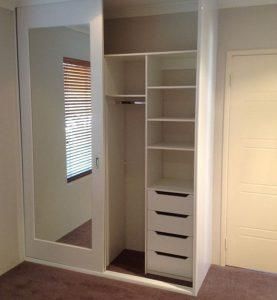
(252, 162)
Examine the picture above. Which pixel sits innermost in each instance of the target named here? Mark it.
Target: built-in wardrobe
(159, 109)
(124, 92)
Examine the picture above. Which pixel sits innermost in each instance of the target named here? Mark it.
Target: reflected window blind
(78, 118)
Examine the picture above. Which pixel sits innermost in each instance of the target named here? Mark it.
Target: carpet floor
(30, 281)
(80, 236)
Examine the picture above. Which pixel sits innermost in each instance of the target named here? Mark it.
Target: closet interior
(150, 98)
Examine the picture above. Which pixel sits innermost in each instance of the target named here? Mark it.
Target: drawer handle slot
(172, 235)
(171, 214)
(171, 255)
(172, 194)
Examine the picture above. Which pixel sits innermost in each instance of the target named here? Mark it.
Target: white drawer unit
(169, 264)
(170, 243)
(170, 202)
(170, 223)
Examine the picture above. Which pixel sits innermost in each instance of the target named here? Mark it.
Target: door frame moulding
(225, 148)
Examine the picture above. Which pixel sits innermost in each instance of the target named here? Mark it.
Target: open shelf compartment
(125, 76)
(171, 104)
(172, 70)
(171, 136)
(171, 171)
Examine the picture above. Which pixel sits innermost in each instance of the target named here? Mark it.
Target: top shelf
(141, 56)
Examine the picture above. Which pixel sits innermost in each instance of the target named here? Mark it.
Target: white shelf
(171, 87)
(125, 96)
(189, 120)
(173, 185)
(172, 146)
(134, 55)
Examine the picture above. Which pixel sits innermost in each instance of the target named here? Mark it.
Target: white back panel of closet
(116, 172)
(126, 177)
(135, 176)
(125, 76)
(152, 33)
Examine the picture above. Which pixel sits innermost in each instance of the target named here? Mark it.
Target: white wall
(59, 206)
(239, 28)
(11, 235)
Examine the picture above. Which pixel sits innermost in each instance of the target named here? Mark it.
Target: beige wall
(11, 244)
(59, 206)
(239, 28)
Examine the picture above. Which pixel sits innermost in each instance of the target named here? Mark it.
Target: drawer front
(158, 221)
(167, 243)
(169, 265)
(170, 202)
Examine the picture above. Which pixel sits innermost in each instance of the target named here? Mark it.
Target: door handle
(97, 162)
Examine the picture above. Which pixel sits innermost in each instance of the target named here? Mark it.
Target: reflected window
(78, 118)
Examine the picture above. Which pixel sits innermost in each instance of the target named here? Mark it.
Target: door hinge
(230, 80)
(225, 243)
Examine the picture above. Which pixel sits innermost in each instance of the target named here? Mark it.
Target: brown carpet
(35, 282)
(132, 262)
(128, 262)
(80, 236)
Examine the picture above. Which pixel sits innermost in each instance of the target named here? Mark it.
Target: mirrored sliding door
(60, 61)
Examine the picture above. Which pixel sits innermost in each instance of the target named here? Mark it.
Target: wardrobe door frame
(54, 15)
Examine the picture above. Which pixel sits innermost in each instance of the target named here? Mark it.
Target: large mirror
(62, 138)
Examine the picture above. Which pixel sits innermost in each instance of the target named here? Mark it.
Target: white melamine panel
(152, 33)
(169, 265)
(170, 202)
(207, 44)
(170, 224)
(158, 241)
